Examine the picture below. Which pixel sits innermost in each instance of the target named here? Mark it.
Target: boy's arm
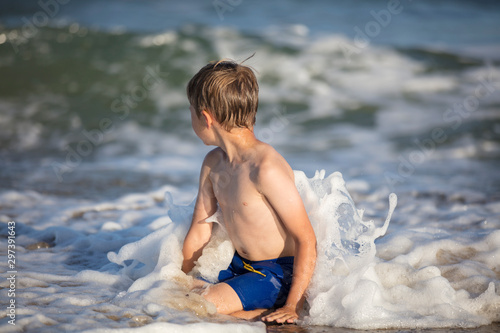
(278, 186)
(200, 231)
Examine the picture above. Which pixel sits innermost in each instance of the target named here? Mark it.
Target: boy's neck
(236, 143)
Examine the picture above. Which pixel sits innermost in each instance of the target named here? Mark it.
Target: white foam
(343, 240)
(420, 274)
(189, 328)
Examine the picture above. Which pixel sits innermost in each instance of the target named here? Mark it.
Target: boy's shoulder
(266, 162)
(268, 156)
(213, 157)
(271, 164)
(215, 153)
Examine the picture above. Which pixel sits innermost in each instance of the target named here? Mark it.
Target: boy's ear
(208, 118)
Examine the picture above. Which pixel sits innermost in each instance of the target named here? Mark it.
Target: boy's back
(253, 226)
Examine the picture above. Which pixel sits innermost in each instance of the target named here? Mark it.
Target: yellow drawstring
(251, 269)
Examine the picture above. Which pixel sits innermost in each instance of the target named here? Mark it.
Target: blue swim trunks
(259, 284)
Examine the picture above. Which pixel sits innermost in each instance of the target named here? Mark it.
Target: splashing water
(352, 285)
(411, 277)
(345, 245)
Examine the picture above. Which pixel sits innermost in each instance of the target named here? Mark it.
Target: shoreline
(492, 328)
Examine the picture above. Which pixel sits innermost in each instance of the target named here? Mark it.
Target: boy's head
(228, 91)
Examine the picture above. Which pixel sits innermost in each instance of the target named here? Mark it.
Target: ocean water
(389, 111)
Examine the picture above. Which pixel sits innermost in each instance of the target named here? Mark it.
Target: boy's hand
(285, 314)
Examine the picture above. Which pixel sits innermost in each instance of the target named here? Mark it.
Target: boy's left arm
(278, 186)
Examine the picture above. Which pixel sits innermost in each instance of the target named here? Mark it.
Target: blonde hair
(228, 91)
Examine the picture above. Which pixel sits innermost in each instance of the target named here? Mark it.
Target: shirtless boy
(262, 210)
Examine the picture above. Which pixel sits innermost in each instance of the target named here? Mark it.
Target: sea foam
(345, 242)
(408, 281)
(126, 272)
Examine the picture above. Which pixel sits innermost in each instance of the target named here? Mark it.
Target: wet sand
(493, 328)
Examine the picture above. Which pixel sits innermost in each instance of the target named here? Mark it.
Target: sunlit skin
(262, 210)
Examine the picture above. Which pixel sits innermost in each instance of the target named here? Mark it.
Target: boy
(254, 187)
